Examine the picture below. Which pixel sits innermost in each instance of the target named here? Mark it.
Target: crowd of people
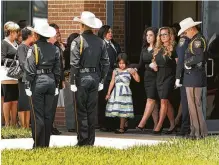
(171, 57)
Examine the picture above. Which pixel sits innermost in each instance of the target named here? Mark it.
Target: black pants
(86, 98)
(185, 111)
(103, 121)
(43, 89)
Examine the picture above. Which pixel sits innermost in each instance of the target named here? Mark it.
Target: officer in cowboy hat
(195, 80)
(42, 70)
(89, 66)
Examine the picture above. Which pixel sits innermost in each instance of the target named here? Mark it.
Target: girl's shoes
(157, 132)
(172, 130)
(120, 131)
(125, 129)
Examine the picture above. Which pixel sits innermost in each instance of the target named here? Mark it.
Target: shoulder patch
(73, 45)
(197, 44)
(181, 41)
(29, 53)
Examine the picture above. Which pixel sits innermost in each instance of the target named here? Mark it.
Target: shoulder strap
(36, 53)
(81, 44)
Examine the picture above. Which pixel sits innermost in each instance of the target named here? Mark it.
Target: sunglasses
(164, 34)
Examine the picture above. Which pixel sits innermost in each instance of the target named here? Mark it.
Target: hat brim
(96, 23)
(49, 32)
(185, 28)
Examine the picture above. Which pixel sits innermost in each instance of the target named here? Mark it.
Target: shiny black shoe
(55, 131)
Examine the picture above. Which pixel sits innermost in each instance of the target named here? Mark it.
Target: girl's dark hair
(144, 42)
(124, 57)
(25, 32)
(103, 31)
(71, 37)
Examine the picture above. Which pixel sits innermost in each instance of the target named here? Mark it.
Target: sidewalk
(104, 139)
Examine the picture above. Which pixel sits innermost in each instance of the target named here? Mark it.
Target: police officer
(195, 79)
(89, 63)
(42, 70)
(181, 48)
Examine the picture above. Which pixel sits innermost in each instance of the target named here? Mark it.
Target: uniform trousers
(43, 89)
(86, 98)
(195, 102)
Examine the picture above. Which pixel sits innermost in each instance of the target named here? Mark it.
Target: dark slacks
(43, 89)
(185, 111)
(86, 98)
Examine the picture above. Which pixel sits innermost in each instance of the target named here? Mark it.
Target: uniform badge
(197, 44)
(181, 41)
(73, 45)
(29, 53)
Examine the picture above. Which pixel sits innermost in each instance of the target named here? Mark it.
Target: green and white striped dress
(120, 102)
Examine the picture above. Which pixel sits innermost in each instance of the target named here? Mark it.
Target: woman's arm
(134, 74)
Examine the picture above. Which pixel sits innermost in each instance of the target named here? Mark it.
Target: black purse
(15, 71)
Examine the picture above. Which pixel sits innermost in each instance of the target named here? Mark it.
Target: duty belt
(87, 70)
(44, 71)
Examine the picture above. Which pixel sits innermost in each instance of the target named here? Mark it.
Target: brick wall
(118, 22)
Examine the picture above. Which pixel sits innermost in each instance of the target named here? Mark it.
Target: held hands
(153, 66)
(74, 88)
(28, 92)
(177, 83)
(132, 71)
(57, 91)
(100, 87)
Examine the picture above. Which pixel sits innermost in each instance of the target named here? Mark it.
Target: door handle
(212, 67)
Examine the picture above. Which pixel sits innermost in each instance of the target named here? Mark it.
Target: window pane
(40, 11)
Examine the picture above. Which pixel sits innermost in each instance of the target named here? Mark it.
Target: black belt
(44, 71)
(87, 70)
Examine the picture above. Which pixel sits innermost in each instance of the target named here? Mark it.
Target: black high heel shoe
(172, 130)
(120, 131)
(157, 132)
(139, 128)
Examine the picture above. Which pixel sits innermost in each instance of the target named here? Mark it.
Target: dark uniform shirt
(94, 55)
(48, 55)
(195, 58)
(180, 50)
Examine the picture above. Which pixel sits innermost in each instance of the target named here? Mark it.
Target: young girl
(120, 100)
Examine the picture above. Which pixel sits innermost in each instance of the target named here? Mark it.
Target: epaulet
(191, 43)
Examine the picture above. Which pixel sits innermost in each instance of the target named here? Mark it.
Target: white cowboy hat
(186, 24)
(44, 30)
(89, 19)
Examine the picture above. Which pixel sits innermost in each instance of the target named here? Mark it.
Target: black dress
(10, 91)
(23, 101)
(149, 75)
(165, 74)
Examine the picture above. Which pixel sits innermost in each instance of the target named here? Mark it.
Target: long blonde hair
(159, 44)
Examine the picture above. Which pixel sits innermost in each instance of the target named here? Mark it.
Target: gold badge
(181, 42)
(197, 44)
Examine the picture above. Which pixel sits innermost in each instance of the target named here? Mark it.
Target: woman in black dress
(23, 101)
(151, 108)
(10, 88)
(164, 62)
